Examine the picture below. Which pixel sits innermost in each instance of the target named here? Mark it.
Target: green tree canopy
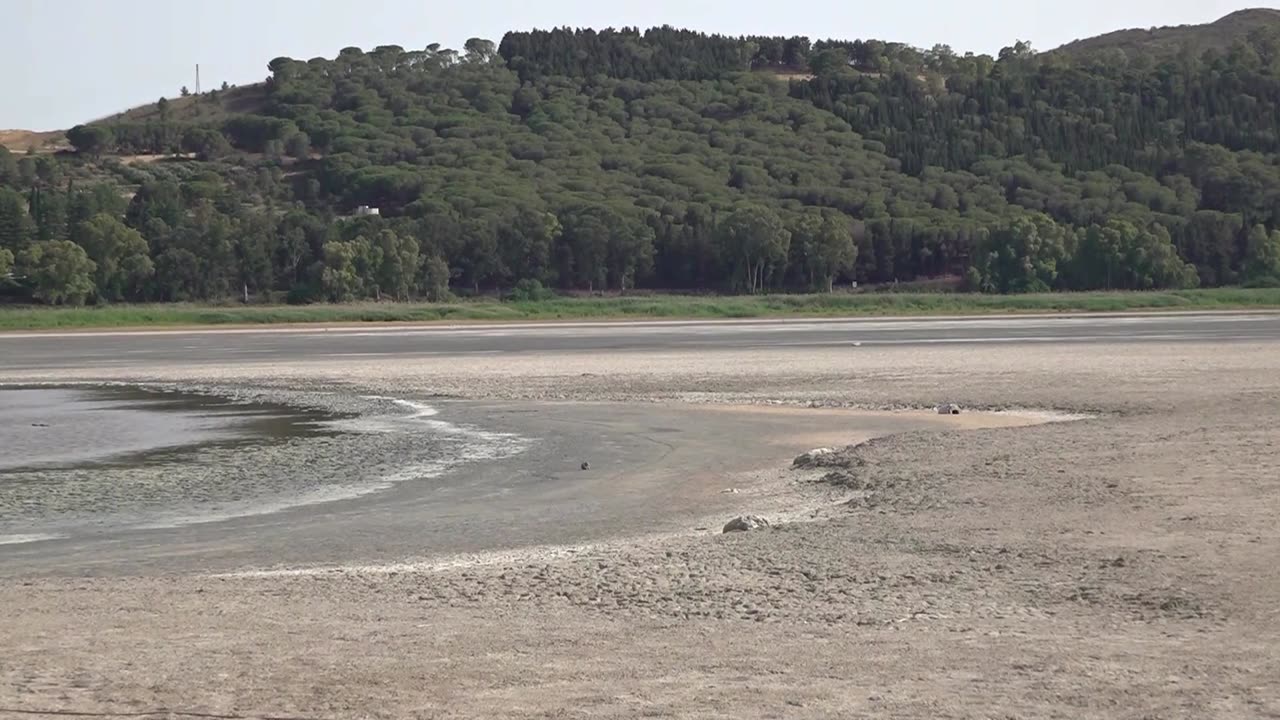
(90, 139)
(59, 272)
(826, 246)
(1021, 256)
(1121, 255)
(1262, 256)
(398, 268)
(120, 256)
(15, 224)
(753, 239)
(673, 159)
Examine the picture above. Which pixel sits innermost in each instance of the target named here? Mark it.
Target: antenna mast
(197, 78)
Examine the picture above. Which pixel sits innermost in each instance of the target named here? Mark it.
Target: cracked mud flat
(1122, 566)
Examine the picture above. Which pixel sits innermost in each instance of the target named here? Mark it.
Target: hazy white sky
(69, 61)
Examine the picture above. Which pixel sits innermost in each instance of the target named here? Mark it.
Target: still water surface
(68, 427)
(86, 460)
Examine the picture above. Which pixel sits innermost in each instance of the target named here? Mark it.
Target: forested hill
(665, 159)
(1167, 41)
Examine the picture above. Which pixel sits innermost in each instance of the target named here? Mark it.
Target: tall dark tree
(8, 166)
(15, 223)
(90, 139)
(48, 210)
(1262, 255)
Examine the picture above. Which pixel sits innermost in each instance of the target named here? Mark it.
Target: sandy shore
(1121, 566)
(397, 483)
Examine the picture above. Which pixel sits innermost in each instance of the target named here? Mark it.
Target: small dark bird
(586, 466)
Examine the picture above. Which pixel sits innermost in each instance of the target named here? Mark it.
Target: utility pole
(197, 78)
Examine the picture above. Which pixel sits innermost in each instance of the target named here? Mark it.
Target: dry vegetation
(23, 140)
(206, 107)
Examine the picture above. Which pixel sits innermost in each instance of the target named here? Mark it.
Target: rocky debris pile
(846, 478)
(746, 523)
(813, 458)
(948, 409)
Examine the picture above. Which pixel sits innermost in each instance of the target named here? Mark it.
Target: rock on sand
(746, 523)
(812, 457)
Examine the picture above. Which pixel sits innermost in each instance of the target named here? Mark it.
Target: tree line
(667, 159)
(89, 245)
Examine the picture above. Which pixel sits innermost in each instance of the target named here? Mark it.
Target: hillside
(1167, 41)
(26, 140)
(212, 106)
(664, 159)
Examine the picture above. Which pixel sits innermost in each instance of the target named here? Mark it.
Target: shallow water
(91, 459)
(77, 427)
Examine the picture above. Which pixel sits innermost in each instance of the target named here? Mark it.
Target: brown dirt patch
(19, 141)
